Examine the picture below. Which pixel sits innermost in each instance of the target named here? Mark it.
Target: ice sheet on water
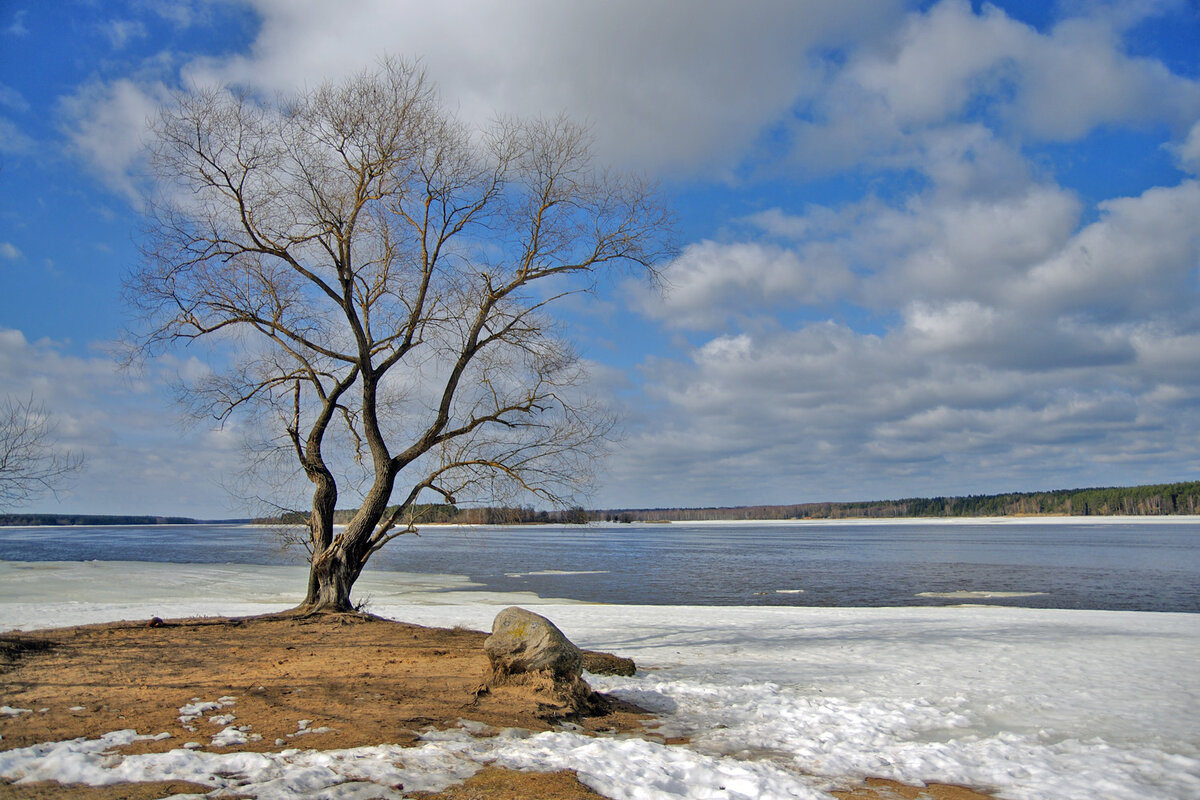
(907, 740)
(1172, 519)
(1031, 703)
(555, 572)
(963, 594)
(61, 593)
(1019, 699)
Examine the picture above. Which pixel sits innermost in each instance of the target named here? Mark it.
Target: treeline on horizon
(427, 513)
(1140, 501)
(95, 519)
(1152, 500)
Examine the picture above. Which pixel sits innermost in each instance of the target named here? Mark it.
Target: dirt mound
(325, 682)
(357, 680)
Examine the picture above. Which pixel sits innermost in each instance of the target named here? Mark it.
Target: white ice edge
(1180, 519)
(779, 702)
(1168, 519)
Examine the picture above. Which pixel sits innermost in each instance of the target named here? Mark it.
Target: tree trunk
(330, 577)
(336, 567)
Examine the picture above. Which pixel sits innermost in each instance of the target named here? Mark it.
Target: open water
(1135, 565)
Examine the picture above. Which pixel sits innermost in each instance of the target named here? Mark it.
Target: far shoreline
(1008, 519)
(1041, 519)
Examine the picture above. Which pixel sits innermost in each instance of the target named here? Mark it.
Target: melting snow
(779, 702)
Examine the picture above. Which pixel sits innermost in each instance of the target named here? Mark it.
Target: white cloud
(710, 282)
(969, 248)
(1024, 351)
(1138, 259)
(9, 250)
(665, 87)
(939, 60)
(1011, 333)
(137, 457)
(949, 64)
(703, 91)
(1021, 251)
(1078, 79)
(105, 125)
(958, 399)
(1188, 151)
(1010, 339)
(180, 13)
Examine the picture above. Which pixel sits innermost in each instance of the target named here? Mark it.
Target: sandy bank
(267, 684)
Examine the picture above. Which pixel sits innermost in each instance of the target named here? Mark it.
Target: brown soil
(364, 680)
(124, 791)
(879, 789)
(369, 681)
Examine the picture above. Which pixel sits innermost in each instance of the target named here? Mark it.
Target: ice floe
(774, 702)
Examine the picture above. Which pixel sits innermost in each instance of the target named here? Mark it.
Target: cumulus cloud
(1028, 345)
(939, 60)
(1079, 79)
(1139, 258)
(979, 325)
(1022, 251)
(950, 64)
(137, 457)
(664, 87)
(710, 283)
(9, 250)
(709, 91)
(666, 90)
(954, 400)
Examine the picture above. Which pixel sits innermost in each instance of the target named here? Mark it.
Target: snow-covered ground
(778, 702)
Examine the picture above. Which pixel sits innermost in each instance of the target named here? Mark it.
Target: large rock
(528, 653)
(524, 642)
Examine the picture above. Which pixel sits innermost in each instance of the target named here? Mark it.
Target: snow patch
(229, 737)
(963, 594)
(777, 702)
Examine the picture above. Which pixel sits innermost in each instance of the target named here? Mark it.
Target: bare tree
(375, 277)
(29, 463)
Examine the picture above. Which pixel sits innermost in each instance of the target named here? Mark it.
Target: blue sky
(925, 248)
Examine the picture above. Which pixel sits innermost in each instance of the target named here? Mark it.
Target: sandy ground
(367, 681)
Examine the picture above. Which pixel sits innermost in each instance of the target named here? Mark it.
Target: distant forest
(94, 519)
(1155, 500)
(1142, 501)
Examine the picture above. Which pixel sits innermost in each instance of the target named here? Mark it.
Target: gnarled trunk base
(330, 579)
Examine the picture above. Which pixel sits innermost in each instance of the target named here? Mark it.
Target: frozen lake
(945, 679)
(781, 702)
(1085, 563)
